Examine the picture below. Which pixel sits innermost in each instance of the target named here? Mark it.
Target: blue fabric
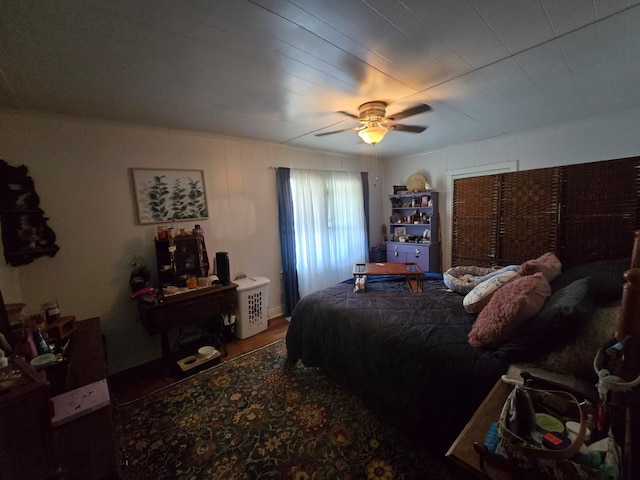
(387, 278)
(365, 199)
(287, 240)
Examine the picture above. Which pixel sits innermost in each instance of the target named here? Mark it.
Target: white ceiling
(279, 71)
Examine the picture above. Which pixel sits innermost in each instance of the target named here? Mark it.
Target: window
(329, 225)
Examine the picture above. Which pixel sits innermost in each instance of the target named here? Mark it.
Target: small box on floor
(196, 363)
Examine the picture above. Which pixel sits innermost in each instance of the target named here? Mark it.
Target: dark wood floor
(143, 379)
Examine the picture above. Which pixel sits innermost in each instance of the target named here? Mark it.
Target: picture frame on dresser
(166, 195)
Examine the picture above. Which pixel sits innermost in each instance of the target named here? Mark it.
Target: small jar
(161, 233)
(192, 281)
(51, 311)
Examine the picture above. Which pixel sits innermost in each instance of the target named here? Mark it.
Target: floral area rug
(258, 416)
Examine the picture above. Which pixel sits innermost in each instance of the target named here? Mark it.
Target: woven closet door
(528, 215)
(584, 212)
(475, 215)
(601, 210)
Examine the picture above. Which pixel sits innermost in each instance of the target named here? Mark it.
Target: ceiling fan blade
(339, 131)
(407, 128)
(351, 115)
(423, 107)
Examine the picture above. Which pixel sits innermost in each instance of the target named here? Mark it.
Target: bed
(408, 354)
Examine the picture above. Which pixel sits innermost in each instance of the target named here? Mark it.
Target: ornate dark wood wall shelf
(25, 233)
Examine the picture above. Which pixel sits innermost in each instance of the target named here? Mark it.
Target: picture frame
(169, 195)
(400, 232)
(399, 189)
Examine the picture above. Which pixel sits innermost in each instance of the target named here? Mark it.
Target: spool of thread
(546, 423)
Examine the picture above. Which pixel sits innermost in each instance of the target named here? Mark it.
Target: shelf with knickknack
(413, 229)
(180, 255)
(25, 233)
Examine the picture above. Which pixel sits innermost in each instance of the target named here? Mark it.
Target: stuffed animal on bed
(360, 284)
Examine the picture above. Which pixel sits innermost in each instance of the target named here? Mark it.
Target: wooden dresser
(86, 447)
(30, 447)
(26, 449)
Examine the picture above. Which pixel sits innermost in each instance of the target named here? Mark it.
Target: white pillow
(476, 299)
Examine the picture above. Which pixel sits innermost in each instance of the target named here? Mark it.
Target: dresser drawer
(423, 254)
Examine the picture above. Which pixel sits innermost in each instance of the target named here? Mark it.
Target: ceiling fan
(375, 124)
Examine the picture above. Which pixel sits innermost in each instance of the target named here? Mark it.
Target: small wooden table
(411, 271)
(462, 451)
(188, 308)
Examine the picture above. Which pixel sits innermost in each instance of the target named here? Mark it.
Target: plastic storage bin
(252, 315)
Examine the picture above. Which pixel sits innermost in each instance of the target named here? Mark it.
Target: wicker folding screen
(475, 214)
(582, 212)
(600, 210)
(528, 215)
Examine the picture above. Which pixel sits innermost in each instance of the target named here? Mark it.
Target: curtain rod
(271, 167)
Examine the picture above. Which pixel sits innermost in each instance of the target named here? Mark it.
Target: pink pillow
(548, 264)
(511, 305)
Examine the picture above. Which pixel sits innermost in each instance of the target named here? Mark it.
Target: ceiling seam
(557, 37)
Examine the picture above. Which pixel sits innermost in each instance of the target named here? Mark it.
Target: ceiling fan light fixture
(373, 134)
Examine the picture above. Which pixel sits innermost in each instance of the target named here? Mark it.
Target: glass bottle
(204, 267)
(40, 342)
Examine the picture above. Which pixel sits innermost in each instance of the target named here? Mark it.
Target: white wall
(595, 139)
(81, 171)
(82, 174)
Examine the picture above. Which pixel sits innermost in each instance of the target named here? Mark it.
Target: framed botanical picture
(400, 232)
(169, 195)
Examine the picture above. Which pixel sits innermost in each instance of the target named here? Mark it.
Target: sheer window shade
(330, 226)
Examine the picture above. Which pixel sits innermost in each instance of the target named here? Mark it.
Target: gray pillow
(606, 279)
(560, 320)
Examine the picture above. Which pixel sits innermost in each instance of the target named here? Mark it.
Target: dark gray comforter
(406, 354)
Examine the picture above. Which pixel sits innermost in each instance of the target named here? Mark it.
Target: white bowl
(206, 351)
(43, 360)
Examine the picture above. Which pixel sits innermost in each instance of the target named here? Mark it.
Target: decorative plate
(416, 182)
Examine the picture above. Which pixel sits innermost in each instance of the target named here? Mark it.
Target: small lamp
(373, 134)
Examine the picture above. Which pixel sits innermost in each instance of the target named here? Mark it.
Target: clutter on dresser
(41, 339)
(561, 432)
(554, 433)
(181, 256)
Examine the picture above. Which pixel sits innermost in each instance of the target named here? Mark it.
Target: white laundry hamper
(253, 302)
